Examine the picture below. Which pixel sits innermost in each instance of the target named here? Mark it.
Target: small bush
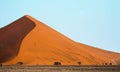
(0, 65)
(110, 63)
(106, 63)
(57, 63)
(79, 63)
(19, 63)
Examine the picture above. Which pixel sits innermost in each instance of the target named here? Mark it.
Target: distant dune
(31, 42)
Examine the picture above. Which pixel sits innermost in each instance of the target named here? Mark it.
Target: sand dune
(11, 37)
(32, 42)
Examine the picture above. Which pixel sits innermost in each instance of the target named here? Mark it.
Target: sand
(43, 45)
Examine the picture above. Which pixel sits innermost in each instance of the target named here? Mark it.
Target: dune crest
(42, 45)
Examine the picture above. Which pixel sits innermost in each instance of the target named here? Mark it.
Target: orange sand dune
(44, 46)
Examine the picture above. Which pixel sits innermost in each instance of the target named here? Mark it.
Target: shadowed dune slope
(11, 37)
(44, 46)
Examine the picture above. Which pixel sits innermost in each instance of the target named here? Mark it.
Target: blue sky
(92, 22)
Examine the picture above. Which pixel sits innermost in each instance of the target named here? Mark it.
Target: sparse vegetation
(110, 63)
(19, 63)
(79, 63)
(106, 63)
(0, 65)
(60, 68)
(57, 63)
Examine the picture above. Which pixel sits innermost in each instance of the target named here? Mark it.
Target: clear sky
(92, 22)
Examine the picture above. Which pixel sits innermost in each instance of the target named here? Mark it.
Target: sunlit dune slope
(99, 55)
(44, 46)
